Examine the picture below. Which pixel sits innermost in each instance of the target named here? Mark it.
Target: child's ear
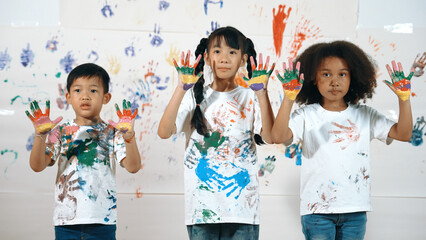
(107, 97)
(243, 60)
(68, 97)
(206, 59)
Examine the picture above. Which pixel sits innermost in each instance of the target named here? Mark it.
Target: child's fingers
(272, 69)
(395, 69)
(135, 113)
(182, 59)
(253, 65)
(302, 78)
(267, 63)
(47, 112)
(298, 68)
(411, 74)
(290, 63)
(284, 67)
(112, 123)
(389, 85)
(260, 66)
(197, 61)
(176, 65)
(389, 71)
(117, 109)
(188, 55)
(400, 68)
(29, 116)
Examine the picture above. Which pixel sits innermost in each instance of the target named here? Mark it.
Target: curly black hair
(361, 66)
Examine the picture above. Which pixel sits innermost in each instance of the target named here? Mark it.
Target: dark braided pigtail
(252, 52)
(197, 120)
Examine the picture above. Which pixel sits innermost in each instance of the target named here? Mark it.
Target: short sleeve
(257, 125)
(380, 126)
(119, 147)
(53, 144)
(185, 112)
(296, 125)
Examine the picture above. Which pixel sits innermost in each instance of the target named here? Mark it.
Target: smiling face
(224, 60)
(87, 97)
(333, 81)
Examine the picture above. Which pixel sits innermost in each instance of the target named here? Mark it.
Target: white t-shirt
(85, 191)
(335, 171)
(221, 181)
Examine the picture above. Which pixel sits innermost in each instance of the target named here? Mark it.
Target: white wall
(151, 203)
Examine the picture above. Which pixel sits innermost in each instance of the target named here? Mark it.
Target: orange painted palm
(291, 81)
(41, 121)
(400, 84)
(126, 118)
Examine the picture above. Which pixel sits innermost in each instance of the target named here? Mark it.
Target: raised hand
(260, 76)
(42, 122)
(400, 84)
(291, 82)
(186, 71)
(126, 119)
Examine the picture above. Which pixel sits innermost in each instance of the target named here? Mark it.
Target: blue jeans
(85, 232)
(344, 226)
(223, 231)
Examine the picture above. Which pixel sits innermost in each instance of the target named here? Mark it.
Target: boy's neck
(81, 121)
(334, 106)
(223, 85)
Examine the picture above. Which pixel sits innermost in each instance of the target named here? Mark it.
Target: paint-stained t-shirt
(221, 168)
(335, 170)
(87, 156)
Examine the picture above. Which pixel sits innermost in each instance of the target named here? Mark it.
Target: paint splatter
(206, 2)
(295, 150)
(27, 56)
(12, 101)
(376, 45)
(303, 31)
(93, 56)
(14, 154)
(417, 136)
(213, 27)
(156, 40)
(278, 26)
(52, 45)
(5, 60)
(268, 166)
(129, 51)
(67, 62)
(348, 134)
(61, 100)
(163, 5)
(107, 11)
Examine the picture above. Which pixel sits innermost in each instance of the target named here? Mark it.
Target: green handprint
(214, 140)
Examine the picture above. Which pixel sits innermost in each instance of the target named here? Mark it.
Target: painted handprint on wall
(278, 26)
(419, 64)
(417, 136)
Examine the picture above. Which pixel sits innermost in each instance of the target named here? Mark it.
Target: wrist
(129, 136)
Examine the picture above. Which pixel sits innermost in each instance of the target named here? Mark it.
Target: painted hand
(292, 83)
(186, 71)
(260, 76)
(126, 119)
(400, 84)
(42, 122)
(419, 64)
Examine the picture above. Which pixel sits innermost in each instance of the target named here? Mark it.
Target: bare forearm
(38, 159)
(166, 127)
(281, 133)
(132, 162)
(403, 129)
(267, 115)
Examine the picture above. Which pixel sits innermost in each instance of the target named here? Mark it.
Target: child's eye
(233, 52)
(343, 74)
(93, 91)
(216, 51)
(326, 74)
(76, 90)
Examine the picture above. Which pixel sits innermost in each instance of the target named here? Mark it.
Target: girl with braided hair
(220, 121)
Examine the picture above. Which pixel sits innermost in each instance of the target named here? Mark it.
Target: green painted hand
(260, 76)
(291, 82)
(400, 84)
(42, 122)
(214, 140)
(186, 71)
(126, 119)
